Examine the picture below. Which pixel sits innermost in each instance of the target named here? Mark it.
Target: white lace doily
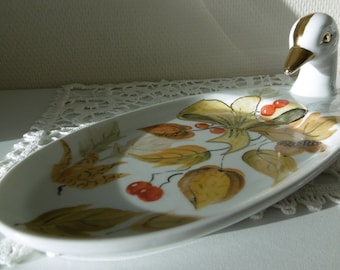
(76, 106)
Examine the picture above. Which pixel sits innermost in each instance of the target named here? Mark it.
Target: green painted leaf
(289, 116)
(98, 140)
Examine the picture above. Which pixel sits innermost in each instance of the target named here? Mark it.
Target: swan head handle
(313, 44)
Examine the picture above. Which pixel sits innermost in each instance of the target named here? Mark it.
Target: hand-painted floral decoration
(191, 153)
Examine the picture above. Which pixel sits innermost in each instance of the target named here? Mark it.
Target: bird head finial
(313, 43)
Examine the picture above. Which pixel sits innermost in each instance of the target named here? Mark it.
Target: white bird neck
(317, 78)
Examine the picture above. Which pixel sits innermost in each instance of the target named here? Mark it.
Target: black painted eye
(327, 38)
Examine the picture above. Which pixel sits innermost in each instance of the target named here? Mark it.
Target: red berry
(280, 103)
(217, 130)
(135, 187)
(202, 125)
(267, 110)
(150, 194)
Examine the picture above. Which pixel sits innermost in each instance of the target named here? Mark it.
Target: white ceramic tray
(167, 173)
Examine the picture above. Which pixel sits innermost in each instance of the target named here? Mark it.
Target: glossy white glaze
(313, 43)
(39, 194)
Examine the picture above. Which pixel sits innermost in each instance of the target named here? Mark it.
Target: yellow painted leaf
(247, 105)
(315, 126)
(211, 111)
(237, 119)
(79, 221)
(185, 156)
(236, 138)
(210, 184)
(270, 163)
(241, 113)
(160, 221)
(170, 131)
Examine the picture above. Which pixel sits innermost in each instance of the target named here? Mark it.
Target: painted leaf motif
(160, 221)
(211, 111)
(240, 114)
(279, 133)
(315, 126)
(170, 130)
(289, 116)
(79, 221)
(98, 140)
(83, 174)
(291, 148)
(247, 105)
(185, 156)
(237, 119)
(236, 138)
(270, 163)
(210, 184)
(244, 113)
(142, 145)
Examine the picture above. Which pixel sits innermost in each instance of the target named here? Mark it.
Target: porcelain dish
(167, 173)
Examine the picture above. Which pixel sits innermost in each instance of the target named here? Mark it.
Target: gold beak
(297, 56)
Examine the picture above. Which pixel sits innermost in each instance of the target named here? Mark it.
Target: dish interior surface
(168, 172)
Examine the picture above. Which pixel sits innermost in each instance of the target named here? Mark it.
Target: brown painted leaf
(290, 148)
(160, 221)
(185, 156)
(84, 174)
(210, 184)
(270, 163)
(279, 133)
(170, 131)
(78, 221)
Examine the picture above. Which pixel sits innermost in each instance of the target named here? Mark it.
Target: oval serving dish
(167, 173)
